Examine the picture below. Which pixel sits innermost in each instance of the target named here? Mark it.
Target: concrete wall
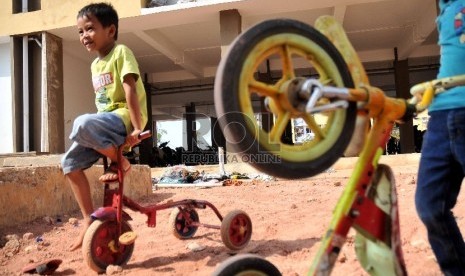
(6, 102)
(79, 97)
(51, 15)
(31, 192)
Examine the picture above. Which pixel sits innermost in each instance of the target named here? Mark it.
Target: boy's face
(94, 36)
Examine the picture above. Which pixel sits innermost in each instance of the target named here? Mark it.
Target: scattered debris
(195, 247)
(330, 170)
(73, 221)
(48, 220)
(232, 182)
(43, 268)
(30, 248)
(181, 174)
(237, 175)
(262, 177)
(420, 244)
(113, 269)
(28, 236)
(12, 247)
(12, 237)
(342, 258)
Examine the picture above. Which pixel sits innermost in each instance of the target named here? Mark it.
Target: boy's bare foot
(78, 241)
(111, 174)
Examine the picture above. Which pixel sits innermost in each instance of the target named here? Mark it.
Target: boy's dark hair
(104, 12)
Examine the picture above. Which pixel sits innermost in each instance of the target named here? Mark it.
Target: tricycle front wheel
(100, 247)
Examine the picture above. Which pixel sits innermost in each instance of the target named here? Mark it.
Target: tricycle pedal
(127, 238)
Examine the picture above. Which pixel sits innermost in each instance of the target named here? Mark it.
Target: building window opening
(20, 6)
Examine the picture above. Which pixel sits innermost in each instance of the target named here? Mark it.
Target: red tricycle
(110, 240)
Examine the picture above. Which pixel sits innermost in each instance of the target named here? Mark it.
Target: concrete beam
(420, 30)
(169, 49)
(339, 13)
(230, 28)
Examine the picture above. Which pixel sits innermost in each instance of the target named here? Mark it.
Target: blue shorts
(91, 132)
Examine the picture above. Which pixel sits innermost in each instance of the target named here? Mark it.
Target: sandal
(111, 173)
(42, 268)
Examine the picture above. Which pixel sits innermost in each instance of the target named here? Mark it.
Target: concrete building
(45, 77)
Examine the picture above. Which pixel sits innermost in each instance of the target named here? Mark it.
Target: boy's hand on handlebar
(133, 138)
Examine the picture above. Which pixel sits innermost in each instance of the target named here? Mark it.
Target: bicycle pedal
(128, 238)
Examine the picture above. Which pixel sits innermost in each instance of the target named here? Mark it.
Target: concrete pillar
(230, 28)
(154, 132)
(267, 117)
(217, 136)
(286, 138)
(191, 128)
(52, 124)
(402, 79)
(17, 87)
(145, 147)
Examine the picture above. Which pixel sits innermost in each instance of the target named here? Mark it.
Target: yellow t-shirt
(107, 78)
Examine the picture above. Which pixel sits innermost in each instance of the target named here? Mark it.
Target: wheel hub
(290, 98)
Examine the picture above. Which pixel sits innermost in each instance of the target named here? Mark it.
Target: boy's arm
(129, 86)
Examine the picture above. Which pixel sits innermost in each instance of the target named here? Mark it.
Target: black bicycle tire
(232, 120)
(246, 264)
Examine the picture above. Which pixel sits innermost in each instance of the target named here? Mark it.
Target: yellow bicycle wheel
(241, 94)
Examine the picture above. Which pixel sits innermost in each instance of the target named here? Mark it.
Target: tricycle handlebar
(423, 93)
(145, 134)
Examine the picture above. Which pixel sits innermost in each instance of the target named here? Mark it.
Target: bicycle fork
(368, 204)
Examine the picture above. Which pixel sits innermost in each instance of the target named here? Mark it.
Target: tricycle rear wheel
(181, 220)
(236, 230)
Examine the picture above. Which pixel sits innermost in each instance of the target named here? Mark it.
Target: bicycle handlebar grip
(423, 94)
(145, 134)
(418, 89)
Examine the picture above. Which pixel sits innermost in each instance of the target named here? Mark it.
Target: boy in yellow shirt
(121, 104)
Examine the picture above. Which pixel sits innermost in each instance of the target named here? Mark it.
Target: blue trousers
(91, 132)
(440, 176)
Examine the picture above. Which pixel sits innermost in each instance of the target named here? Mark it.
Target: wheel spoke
(326, 81)
(279, 127)
(263, 89)
(311, 123)
(288, 66)
(236, 235)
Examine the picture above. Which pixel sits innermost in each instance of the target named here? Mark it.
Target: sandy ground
(289, 218)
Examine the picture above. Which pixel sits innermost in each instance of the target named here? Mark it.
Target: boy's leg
(103, 132)
(81, 189)
(90, 131)
(112, 153)
(438, 185)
